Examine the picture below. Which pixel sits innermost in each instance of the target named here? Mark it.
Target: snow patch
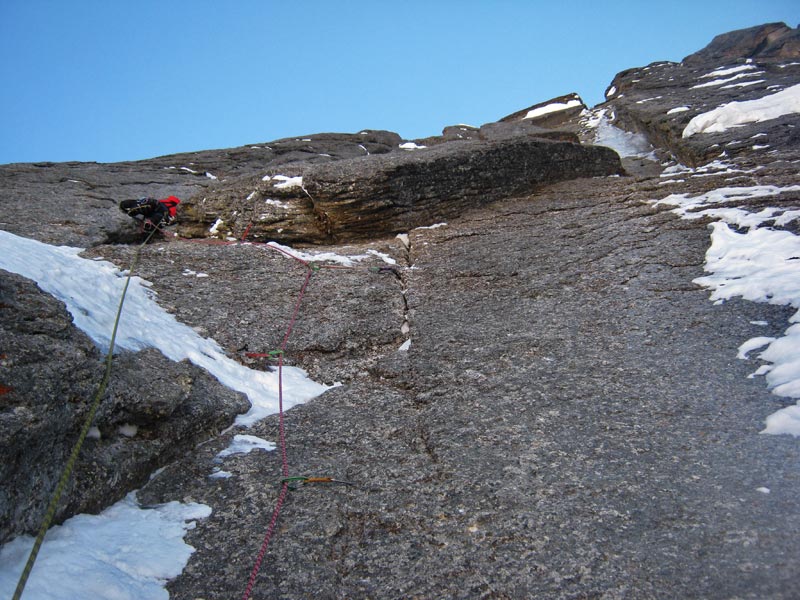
(91, 291)
(347, 261)
(759, 265)
(287, 182)
(215, 227)
(245, 444)
(624, 143)
(552, 108)
(124, 552)
(735, 114)
(723, 71)
(128, 430)
(753, 344)
(716, 82)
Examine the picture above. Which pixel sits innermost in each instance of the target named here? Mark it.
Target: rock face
(537, 401)
(551, 113)
(661, 99)
(153, 412)
(773, 41)
(382, 195)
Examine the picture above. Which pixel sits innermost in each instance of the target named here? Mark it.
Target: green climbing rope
(73, 457)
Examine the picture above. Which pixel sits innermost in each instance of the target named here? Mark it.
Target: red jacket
(171, 204)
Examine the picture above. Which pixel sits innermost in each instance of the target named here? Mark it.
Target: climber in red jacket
(152, 213)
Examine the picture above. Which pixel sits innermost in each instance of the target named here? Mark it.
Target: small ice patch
(245, 444)
(624, 143)
(276, 203)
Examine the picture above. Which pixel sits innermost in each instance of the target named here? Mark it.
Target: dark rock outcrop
(773, 41)
(153, 412)
(661, 99)
(75, 203)
(551, 113)
(376, 196)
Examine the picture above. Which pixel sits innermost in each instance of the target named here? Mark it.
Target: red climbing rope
(281, 432)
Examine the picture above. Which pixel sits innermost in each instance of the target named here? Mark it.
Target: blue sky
(116, 80)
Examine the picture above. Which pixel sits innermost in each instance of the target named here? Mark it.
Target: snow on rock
(723, 71)
(124, 552)
(753, 344)
(703, 205)
(760, 264)
(716, 82)
(742, 84)
(784, 421)
(215, 227)
(347, 261)
(735, 113)
(551, 108)
(411, 146)
(245, 444)
(91, 290)
(624, 143)
(287, 182)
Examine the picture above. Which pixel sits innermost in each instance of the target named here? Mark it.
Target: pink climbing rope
(281, 435)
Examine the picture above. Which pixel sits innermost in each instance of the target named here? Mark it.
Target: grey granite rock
(569, 420)
(153, 412)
